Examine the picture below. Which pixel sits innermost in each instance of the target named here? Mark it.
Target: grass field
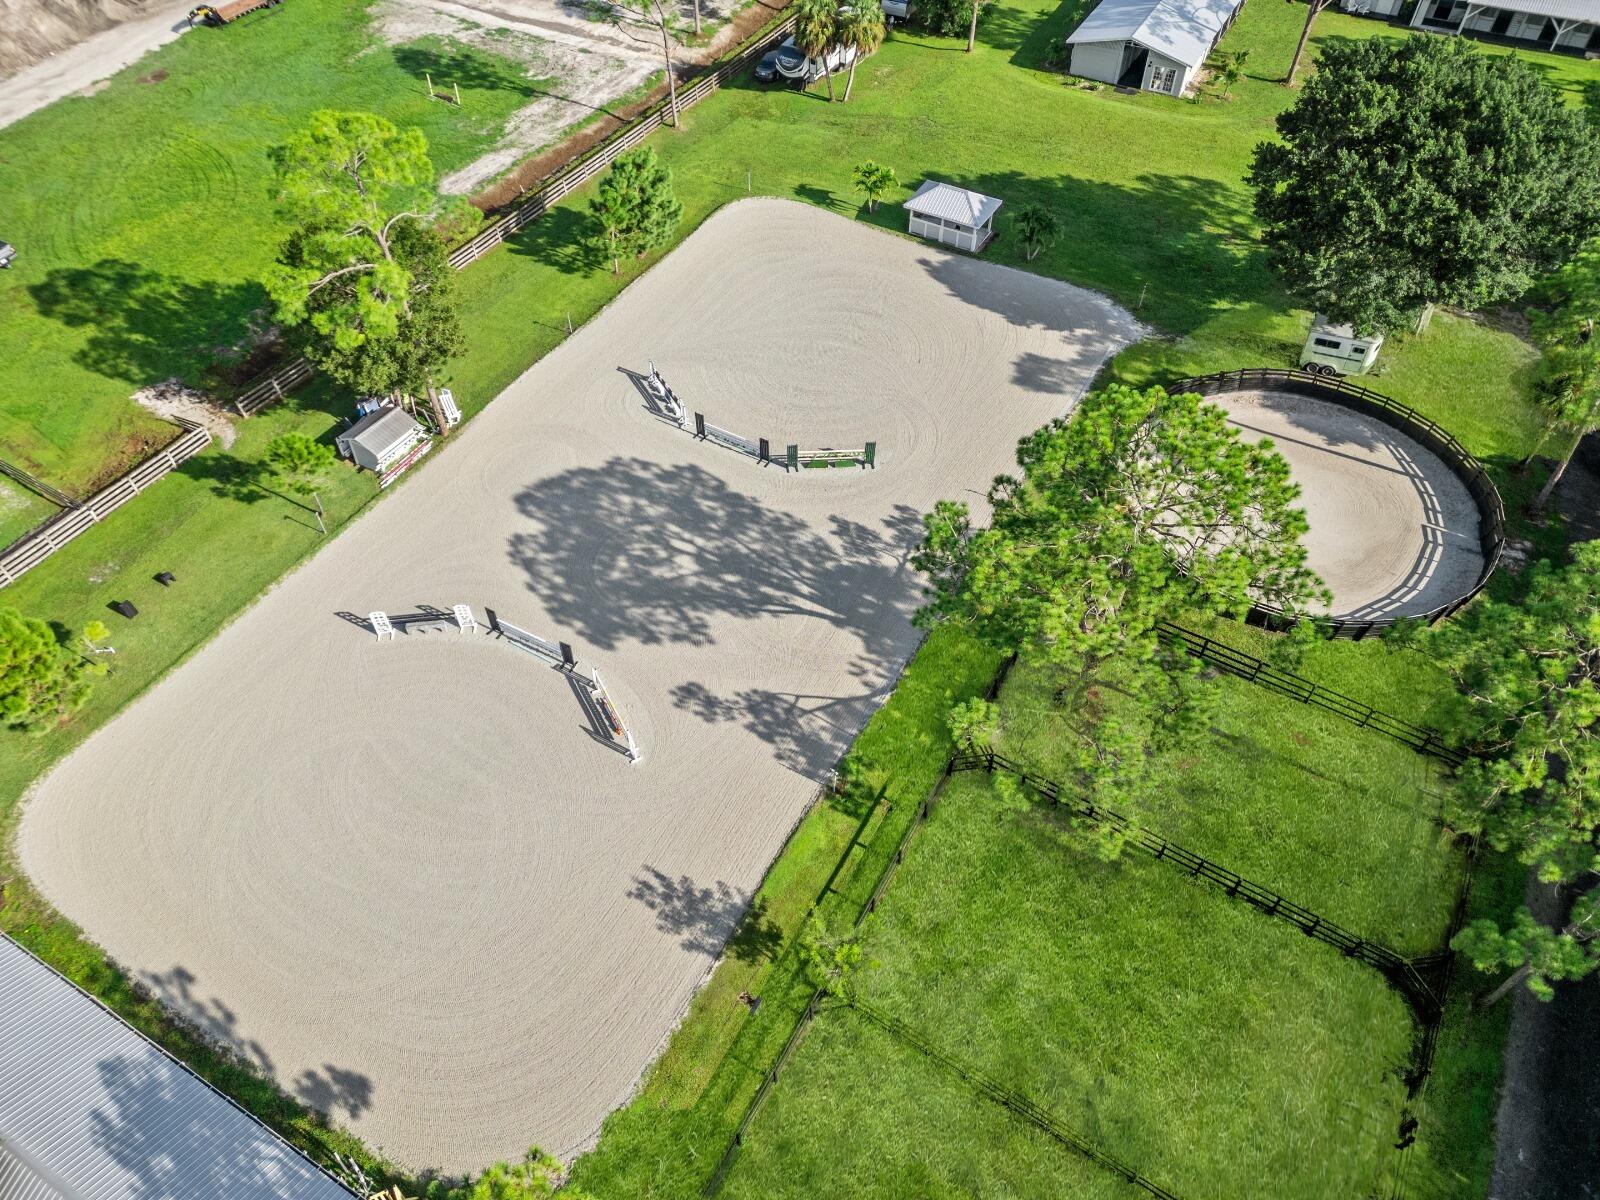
(1342, 821)
(1154, 210)
(1220, 1054)
(140, 250)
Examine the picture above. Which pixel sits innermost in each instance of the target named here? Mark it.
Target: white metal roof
(1561, 10)
(92, 1110)
(951, 203)
(1184, 30)
(377, 431)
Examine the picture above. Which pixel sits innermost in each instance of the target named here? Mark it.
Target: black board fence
(1416, 978)
(1258, 671)
(1407, 420)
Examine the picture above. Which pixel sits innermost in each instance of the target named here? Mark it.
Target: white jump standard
(613, 716)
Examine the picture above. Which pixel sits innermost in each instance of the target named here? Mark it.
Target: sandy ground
(77, 69)
(403, 876)
(588, 63)
(1393, 531)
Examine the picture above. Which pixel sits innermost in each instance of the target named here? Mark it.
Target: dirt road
(80, 67)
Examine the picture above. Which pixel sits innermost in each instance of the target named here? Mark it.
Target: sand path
(1393, 531)
(79, 68)
(400, 875)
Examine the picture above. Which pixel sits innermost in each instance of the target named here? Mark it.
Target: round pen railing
(1407, 420)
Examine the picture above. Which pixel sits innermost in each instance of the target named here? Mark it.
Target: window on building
(1163, 79)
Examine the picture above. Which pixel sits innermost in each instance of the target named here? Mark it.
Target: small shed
(381, 439)
(1333, 349)
(952, 215)
(1154, 45)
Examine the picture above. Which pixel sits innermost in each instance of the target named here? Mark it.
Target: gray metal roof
(92, 1110)
(1184, 30)
(1561, 10)
(951, 203)
(377, 431)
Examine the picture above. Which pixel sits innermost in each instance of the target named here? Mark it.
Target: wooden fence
(33, 548)
(574, 175)
(38, 486)
(1414, 978)
(1491, 511)
(1258, 671)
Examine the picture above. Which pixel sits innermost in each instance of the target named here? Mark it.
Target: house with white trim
(1569, 25)
(1154, 45)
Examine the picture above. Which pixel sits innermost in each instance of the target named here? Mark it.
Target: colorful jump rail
(1407, 420)
(34, 547)
(574, 175)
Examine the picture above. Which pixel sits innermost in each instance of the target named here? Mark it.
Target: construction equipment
(223, 14)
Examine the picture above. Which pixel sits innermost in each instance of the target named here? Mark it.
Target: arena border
(1406, 420)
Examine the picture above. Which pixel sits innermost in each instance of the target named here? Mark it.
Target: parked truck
(223, 14)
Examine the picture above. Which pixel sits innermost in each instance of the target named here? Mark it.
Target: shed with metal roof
(90, 1109)
(1156, 45)
(952, 215)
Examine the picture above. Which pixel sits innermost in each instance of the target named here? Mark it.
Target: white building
(952, 215)
(385, 442)
(1156, 45)
(1549, 24)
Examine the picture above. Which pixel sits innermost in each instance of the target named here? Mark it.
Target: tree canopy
(1528, 676)
(634, 207)
(41, 682)
(1139, 506)
(1419, 172)
(1568, 386)
(428, 331)
(345, 182)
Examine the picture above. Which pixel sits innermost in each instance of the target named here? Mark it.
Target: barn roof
(951, 203)
(1561, 10)
(1184, 30)
(92, 1110)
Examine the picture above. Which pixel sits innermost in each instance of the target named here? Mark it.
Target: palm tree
(816, 27)
(861, 28)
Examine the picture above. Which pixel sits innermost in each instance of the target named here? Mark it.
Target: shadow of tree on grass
(146, 326)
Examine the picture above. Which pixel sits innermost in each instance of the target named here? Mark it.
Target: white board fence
(582, 169)
(33, 548)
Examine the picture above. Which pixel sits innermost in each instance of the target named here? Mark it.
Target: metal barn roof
(92, 1110)
(379, 430)
(951, 203)
(1184, 30)
(1561, 10)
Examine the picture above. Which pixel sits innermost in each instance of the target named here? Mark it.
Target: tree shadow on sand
(656, 553)
(702, 918)
(330, 1090)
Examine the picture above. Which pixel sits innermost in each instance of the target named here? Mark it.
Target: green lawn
(1338, 819)
(1216, 1052)
(20, 510)
(1155, 214)
(861, 1114)
(140, 249)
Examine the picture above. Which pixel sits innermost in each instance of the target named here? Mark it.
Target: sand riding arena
(413, 878)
